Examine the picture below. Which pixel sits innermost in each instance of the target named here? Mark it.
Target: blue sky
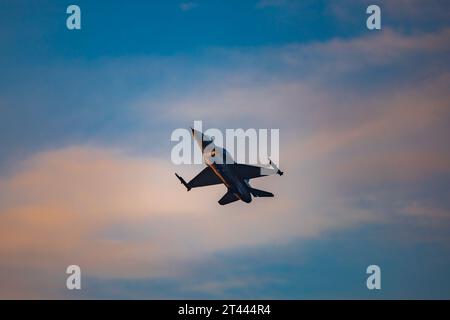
(164, 28)
(85, 171)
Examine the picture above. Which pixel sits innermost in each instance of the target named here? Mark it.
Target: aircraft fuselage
(231, 180)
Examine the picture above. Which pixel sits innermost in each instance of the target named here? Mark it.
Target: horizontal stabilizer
(228, 198)
(260, 193)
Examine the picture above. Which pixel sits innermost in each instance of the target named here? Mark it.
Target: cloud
(415, 9)
(271, 3)
(186, 6)
(410, 14)
(125, 217)
(315, 77)
(368, 116)
(355, 149)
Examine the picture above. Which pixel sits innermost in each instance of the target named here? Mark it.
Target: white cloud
(125, 216)
(120, 216)
(186, 6)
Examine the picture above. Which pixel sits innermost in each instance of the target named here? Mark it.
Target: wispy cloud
(186, 6)
(114, 215)
(364, 124)
(270, 3)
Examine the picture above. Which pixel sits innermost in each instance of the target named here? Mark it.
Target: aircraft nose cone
(247, 198)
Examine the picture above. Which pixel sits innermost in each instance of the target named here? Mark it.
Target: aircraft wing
(249, 172)
(206, 177)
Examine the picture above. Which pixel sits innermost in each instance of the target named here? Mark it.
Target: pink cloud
(127, 216)
(65, 207)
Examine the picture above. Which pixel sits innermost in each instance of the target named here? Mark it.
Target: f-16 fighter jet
(233, 175)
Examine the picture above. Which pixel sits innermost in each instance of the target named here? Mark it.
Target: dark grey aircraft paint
(233, 175)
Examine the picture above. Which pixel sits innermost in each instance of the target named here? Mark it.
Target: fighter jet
(233, 175)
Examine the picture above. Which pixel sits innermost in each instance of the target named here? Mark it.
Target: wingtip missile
(279, 172)
(183, 182)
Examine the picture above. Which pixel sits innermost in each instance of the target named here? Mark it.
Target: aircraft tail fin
(260, 193)
(228, 198)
